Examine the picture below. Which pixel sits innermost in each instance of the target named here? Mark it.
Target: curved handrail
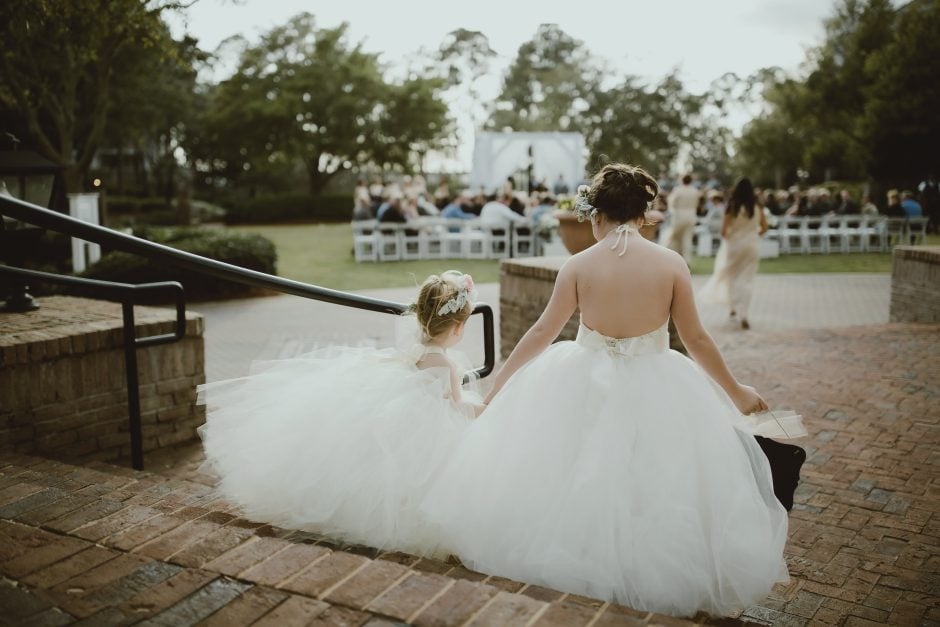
(55, 221)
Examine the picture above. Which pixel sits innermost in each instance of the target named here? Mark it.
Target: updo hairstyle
(622, 192)
(435, 292)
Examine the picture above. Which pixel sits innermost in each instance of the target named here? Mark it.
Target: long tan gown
(732, 280)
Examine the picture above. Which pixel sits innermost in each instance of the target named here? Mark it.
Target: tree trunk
(74, 178)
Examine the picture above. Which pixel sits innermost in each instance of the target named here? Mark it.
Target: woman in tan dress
(732, 280)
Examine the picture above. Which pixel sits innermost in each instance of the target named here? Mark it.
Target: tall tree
(835, 87)
(466, 56)
(548, 84)
(903, 98)
(154, 109)
(305, 93)
(58, 68)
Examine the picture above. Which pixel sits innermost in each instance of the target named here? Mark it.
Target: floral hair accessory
(466, 293)
(582, 208)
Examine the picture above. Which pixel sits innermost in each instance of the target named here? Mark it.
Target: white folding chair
(916, 232)
(815, 235)
(895, 231)
(497, 241)
(452, 238)
(853, 234)
(524, 239)
(705, 239)
(789, 234)
(365, 245)
(389, 241)
(412, 242)
(475, 241)
(433, 239)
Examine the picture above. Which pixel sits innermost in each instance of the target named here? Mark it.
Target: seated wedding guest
(894, 208)
(912, 208)
(409, 209)
(456, 209)
(544, 206)
(868, 207)
(391, 211)
(847, 204)
(476, 204)
(497, 213)
(377, 191)
(442, 193)
(425, 206)
(362, 207)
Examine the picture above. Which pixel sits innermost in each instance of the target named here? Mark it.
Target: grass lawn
(322, 254)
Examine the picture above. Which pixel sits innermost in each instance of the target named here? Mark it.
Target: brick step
(116, 546)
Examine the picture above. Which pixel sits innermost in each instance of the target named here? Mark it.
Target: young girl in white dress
(345, 441)
(610, 466)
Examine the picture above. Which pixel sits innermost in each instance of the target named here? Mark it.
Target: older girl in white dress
(611, 466)
(345, 441)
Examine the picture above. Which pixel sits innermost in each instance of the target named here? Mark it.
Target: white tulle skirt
(614, 469)
(342, 441)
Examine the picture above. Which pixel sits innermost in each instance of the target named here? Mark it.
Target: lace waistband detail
(648, 344)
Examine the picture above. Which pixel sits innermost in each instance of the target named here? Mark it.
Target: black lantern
(30, 177)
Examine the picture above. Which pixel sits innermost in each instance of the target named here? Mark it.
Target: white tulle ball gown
(342, 441)
(614, 468)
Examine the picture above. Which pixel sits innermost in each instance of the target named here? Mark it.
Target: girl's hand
(747, 400)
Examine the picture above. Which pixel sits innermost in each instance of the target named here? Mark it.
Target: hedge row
(246, 250)
(291, 208)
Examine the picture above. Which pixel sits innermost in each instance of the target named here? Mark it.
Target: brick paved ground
(116, 547)
(864, 542)
(238, 332)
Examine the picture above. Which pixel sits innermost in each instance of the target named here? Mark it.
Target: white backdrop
(499, 155)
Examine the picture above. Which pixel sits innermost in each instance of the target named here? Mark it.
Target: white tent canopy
(497, 156)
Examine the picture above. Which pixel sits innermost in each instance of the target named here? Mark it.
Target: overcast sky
(703, 39)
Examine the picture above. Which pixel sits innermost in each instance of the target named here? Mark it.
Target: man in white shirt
(682, 204)
(497, 214)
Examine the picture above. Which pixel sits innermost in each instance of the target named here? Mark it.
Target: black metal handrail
(54, 221)
(128, 295)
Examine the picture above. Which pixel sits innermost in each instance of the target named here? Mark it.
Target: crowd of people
(409, 198)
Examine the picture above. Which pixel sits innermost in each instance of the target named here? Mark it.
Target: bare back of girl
(625, 295)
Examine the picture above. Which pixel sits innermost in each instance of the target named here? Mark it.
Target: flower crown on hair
(466, 293)
(582, 208)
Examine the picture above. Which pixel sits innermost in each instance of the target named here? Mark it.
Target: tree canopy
(866, 107)
(62, 63)
(307, 94)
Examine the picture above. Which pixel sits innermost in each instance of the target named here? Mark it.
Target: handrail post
(133, 385)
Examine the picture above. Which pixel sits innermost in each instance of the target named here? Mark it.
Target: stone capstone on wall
(63, 387)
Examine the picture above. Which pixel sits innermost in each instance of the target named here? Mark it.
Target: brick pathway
(864, 541)
(240, 331)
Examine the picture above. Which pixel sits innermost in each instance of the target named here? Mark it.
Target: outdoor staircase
(104, 545)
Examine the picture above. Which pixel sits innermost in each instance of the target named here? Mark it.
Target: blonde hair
(435, 292)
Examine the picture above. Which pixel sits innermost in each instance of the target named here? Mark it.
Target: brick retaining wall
(525, 286)
(915, 284)
(62, 380)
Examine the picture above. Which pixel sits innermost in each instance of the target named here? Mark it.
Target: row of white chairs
(828, 234)
(442, 238)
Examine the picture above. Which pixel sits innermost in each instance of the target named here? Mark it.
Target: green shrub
(128, 211)
(241, 249)
(291, 208)
(134, 204)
